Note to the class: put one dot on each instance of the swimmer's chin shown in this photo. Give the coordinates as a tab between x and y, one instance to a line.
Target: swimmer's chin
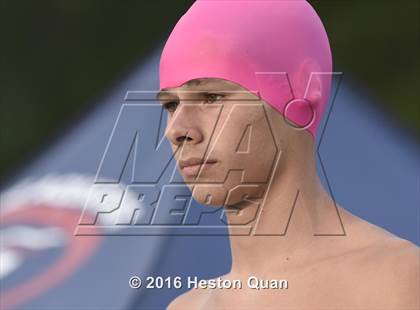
230	203
223	195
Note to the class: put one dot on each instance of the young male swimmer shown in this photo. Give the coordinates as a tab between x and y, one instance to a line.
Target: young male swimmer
243	135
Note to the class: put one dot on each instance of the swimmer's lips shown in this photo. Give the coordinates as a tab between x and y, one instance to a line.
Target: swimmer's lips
191	166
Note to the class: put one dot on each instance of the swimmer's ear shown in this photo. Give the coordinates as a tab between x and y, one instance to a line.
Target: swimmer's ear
310	82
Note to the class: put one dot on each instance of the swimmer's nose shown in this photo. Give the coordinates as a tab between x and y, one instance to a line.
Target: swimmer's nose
182	130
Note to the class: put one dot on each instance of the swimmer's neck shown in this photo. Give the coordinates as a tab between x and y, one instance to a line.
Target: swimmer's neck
288	220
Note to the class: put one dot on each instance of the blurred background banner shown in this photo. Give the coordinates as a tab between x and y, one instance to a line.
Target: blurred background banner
66	69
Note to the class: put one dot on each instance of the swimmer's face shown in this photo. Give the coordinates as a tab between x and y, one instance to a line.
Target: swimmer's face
222	140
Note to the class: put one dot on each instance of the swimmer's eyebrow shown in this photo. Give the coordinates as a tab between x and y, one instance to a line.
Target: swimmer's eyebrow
161	93
195	82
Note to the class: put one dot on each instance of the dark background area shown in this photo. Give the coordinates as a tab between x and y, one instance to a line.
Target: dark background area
58	56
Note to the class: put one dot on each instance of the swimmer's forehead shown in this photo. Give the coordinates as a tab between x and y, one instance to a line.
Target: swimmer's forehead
202	84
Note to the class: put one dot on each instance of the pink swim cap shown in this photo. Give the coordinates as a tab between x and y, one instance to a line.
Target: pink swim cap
270	47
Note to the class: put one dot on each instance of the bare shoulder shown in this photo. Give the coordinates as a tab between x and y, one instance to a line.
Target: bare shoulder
389	268
192	299
384	269
399	258
395	274
370	239
377	247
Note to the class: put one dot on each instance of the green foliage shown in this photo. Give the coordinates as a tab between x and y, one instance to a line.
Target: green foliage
376	42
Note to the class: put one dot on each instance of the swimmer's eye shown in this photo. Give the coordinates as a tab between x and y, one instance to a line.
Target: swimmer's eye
211	97
170	106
